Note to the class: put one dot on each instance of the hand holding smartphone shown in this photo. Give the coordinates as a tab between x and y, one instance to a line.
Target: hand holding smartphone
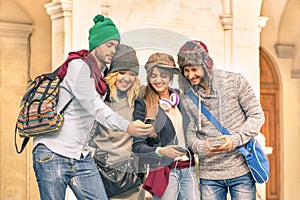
181	149
149	121
216	142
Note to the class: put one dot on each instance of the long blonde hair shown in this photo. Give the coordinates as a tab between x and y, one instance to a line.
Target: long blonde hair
132	92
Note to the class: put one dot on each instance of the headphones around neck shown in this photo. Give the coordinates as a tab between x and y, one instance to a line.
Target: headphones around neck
166	104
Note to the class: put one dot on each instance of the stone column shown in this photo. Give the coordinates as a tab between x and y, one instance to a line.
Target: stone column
61	16
261	188
14	74
226	21
237	23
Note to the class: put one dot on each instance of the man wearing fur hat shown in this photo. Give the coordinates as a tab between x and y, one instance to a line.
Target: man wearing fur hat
64	159
230	99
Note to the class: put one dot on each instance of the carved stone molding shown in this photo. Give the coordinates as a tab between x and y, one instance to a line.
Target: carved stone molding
226	21
105	8
15	29
60	12
59	9
285	50
262	22
295	73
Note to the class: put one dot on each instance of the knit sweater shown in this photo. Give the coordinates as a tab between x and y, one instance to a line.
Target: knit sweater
234	104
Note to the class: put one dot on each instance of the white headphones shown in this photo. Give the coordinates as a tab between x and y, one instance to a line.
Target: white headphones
166	104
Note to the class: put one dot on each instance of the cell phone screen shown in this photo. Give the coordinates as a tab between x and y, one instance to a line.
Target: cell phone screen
217	142
181	149
149	121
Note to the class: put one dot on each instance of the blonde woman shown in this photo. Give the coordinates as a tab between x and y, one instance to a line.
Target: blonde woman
114	147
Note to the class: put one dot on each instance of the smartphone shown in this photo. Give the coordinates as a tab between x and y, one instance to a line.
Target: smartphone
149	120
181	149
216	142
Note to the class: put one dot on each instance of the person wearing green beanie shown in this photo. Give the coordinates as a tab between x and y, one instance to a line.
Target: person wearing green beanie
64	159
103	31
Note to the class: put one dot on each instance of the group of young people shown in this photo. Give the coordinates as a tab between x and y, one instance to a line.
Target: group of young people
114	99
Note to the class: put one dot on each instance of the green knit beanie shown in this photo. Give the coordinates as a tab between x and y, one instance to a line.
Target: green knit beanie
103	31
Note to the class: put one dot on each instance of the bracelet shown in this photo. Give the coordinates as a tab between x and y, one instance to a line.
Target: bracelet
157	153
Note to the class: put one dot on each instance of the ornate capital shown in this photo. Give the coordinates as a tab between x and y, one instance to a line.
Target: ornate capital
262	22
59	9
105	8
226	21
15	29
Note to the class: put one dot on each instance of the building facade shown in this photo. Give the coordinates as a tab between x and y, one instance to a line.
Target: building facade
256	38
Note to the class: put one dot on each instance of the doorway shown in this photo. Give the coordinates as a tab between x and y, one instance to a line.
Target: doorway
269	97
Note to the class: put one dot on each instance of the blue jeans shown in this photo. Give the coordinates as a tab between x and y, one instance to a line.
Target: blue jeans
242	187
183	185
55	172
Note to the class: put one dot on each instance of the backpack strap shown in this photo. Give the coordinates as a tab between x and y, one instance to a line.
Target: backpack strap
24	143
69	102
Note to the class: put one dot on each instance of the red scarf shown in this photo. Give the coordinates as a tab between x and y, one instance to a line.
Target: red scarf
91	62
158	178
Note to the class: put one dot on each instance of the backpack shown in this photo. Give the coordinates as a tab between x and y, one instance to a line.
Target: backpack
38	113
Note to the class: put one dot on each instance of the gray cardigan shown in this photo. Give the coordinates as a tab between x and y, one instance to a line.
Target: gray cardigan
233	102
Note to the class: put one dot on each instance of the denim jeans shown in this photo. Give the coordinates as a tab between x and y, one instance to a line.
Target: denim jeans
55	172
183	185
240	188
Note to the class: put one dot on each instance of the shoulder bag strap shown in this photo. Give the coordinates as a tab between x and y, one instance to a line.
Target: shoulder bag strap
213	120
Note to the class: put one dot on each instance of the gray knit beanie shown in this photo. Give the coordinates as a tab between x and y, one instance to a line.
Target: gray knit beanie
125	59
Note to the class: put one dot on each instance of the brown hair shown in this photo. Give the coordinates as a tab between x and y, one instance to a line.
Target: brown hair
151	97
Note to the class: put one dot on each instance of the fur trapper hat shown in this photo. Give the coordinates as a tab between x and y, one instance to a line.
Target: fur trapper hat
195	53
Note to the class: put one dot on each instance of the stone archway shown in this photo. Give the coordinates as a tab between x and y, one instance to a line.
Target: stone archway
269	97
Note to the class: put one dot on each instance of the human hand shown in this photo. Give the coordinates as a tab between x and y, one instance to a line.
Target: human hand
212	150
148	195
138	128
171	151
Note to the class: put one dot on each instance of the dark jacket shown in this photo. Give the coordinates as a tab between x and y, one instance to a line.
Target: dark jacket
145	146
